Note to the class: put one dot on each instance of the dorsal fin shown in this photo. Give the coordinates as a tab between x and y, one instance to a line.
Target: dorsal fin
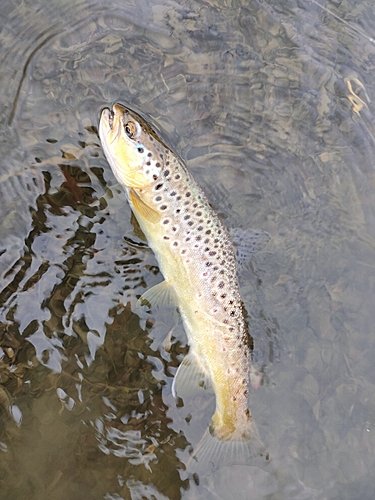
247	242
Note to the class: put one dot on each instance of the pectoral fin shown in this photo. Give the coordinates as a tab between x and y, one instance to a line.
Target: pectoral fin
143	209
190	376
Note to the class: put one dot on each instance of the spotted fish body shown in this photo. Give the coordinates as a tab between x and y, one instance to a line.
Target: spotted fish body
197	259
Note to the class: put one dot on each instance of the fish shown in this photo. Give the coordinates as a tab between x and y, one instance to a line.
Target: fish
197	257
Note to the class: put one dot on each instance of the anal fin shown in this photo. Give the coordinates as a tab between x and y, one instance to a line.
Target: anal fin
190	376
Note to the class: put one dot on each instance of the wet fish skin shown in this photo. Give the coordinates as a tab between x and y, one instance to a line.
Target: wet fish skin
197	259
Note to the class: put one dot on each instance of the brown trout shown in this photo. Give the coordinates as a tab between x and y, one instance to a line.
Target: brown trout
197	258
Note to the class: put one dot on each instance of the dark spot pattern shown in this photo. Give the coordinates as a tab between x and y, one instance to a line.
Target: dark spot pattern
192	231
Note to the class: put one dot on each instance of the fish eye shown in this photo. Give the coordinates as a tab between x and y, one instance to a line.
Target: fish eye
130	129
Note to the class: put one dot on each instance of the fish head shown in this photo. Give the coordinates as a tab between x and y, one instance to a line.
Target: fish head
131	147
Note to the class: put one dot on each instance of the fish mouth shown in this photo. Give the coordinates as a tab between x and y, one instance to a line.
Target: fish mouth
109	116
110	119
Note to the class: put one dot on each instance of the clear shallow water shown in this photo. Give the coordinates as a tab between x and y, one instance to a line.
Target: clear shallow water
271	106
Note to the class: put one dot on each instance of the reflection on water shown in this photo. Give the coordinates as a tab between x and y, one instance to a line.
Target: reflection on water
271	105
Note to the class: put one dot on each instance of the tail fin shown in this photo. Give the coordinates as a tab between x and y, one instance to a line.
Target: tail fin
212	453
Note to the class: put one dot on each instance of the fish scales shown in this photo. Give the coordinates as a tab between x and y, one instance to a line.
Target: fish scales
197	259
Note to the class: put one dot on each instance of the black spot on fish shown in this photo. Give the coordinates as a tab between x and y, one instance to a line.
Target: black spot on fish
177	177
208	231
221	284
166	237
188	194
166	173
140	150
149	155
190	223
163	207
178	198
166	221
198	238
157	165
175	243
187	217
158	198
173	193
199	228
159	186
148	163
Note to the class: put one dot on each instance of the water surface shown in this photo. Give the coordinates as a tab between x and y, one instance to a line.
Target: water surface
270	104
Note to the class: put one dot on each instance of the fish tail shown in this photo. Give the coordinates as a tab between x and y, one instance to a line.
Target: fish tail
212	453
